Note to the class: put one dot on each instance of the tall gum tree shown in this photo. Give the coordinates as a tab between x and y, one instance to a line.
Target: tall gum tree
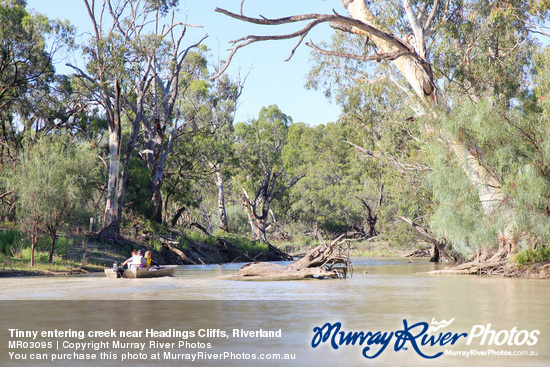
262	176
135	56
28	45
219	136
410	54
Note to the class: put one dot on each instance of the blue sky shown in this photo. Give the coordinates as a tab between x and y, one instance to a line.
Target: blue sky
270	79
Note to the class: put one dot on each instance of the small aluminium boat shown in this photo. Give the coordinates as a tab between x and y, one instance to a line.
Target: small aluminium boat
155	272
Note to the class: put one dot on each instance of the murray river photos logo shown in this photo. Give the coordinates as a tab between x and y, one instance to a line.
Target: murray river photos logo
422	337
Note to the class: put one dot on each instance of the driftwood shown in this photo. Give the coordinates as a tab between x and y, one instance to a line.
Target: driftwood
485	263
421	252
325	261
470	268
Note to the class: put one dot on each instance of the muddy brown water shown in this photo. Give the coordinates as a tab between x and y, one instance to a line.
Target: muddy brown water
382	295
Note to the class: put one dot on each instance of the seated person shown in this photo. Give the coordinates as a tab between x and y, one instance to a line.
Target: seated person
136	261
149	261
126	264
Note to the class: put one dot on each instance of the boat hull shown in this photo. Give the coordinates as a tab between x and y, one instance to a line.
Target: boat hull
163	271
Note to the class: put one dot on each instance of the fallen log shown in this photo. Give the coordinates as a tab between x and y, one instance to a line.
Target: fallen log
271	271
322	262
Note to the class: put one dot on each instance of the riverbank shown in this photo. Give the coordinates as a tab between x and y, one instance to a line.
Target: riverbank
88	254
7	273
530	271
502	269
85	254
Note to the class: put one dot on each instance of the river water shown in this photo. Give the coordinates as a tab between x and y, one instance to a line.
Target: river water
383	295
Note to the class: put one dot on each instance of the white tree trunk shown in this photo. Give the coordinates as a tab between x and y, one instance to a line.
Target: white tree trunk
419	76
111	218
221	200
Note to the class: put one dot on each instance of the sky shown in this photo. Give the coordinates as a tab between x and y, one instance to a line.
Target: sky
269	79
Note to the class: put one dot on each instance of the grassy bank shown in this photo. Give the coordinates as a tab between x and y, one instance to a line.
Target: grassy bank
73	255
76	254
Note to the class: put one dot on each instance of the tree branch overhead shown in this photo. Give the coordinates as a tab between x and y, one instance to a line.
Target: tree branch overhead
400	48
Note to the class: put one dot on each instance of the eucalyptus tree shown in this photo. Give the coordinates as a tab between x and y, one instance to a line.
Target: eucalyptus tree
168	117
135	59
340	192
435	52
218	137
28	44
26	64
262	176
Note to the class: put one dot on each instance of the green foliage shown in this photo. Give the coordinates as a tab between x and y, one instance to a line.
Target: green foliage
9	241
485	51
156	244
137	190
373	250
486	64
53	183
327	195
54	180
152	226
243	242
63	245
262	177
258	145
39	256
530	256
512	145
196	236
458	215
236	218
20	247
26	61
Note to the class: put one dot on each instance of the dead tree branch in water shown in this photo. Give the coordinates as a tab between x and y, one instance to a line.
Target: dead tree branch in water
328	260
424	233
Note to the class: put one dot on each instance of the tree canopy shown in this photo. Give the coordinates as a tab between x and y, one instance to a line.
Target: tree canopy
444	125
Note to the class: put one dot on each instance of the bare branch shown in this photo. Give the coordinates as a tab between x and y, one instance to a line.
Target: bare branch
431	17
289	185
242	4
5	194
343	23
380	197
363	150
387	156
81	73
376	57
429	237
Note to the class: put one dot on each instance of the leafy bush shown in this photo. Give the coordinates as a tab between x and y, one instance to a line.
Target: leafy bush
155	244
63	245
9	240
197	236
237	220
531	256
243	242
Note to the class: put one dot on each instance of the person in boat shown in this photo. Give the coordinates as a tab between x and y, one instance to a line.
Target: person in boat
126	264
149	260
136	261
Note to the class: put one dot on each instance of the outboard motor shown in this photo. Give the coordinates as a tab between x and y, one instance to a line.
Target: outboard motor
119	270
